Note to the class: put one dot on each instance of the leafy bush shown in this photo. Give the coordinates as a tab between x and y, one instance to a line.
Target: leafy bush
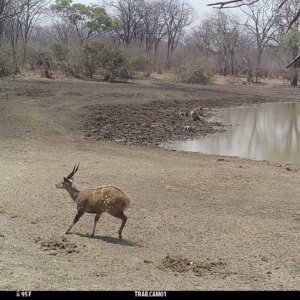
91	54
193	74
108	61
61	54
141	63
114	65
74	64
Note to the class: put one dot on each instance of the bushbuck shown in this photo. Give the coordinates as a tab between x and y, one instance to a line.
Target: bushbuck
96	201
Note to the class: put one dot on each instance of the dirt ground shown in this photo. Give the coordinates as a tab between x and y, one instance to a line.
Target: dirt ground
196	222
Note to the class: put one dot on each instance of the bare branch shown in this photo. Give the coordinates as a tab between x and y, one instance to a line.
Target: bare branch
282	3
294	20
294	61
224	4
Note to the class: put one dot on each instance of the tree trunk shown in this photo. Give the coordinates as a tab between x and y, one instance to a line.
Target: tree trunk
13	43
168	56
294	78
259	55
24	54
225	62
232	63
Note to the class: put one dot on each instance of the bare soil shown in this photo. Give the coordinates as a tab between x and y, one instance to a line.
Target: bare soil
197	222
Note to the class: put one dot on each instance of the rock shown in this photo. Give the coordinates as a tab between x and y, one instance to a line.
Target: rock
264	258
148	261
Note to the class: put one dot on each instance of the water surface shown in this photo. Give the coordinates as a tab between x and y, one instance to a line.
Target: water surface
267	132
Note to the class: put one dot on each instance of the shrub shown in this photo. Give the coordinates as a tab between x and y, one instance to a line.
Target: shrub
6	64
61	54
91	54
33	57
141	63
41	57
115	65
108	61
74	64
46	61
193	74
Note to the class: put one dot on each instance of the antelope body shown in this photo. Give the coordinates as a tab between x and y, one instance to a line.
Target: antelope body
96	201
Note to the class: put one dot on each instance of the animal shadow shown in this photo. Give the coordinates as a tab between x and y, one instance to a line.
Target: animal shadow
111	240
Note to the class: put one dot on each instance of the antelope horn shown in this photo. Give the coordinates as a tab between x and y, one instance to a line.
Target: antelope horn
75	169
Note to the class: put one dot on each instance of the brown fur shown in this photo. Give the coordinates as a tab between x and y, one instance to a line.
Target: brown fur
102	199
96	201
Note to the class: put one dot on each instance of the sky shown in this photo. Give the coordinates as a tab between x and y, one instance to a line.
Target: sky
200	6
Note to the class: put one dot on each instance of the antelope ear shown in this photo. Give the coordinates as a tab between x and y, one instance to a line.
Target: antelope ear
66	180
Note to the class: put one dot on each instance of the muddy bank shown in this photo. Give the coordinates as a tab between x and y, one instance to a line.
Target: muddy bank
149	124
154	122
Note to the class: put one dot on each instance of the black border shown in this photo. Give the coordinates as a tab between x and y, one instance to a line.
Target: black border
133	294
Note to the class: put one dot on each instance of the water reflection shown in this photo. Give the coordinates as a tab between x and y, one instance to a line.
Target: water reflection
268	132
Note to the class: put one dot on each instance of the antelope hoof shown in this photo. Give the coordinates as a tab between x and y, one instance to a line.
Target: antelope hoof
67	232
120	237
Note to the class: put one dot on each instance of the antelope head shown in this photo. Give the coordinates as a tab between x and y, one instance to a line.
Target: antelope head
67	182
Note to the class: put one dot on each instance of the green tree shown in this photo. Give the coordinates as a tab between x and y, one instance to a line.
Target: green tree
87	19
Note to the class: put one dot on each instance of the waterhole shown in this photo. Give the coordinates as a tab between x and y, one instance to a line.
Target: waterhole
267	132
